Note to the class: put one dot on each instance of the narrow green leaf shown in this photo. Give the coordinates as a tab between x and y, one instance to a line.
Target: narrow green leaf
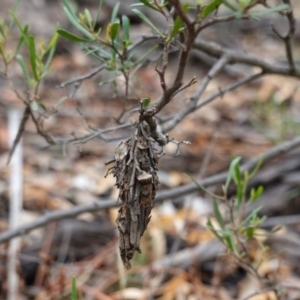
239	195
250	232
2	24
52	42
186	8
71	36
276	229
61	101
115	13
148	4
231	172
146	102
50	50
69	8
237	177
98	12
230	243
256	193
176	28
114	30
218	214
267	11
257	167
228	5
203	188
23	31
48	60
21	61
42	106
73	19
88	16
213	230
147	21
74	289
252	215
208	9
126	28
22	39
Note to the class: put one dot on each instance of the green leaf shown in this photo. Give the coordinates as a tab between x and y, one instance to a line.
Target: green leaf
278	8
250	232
98	12
257	167
208	9
218	214
69	8
203	188
228	5
256	193
176	28
146	102
32	57
50	50
61	101
148	4
186	8
239	195
237	177
213	230
22	38
230	242
73	19
114	30
252	215
88	16
147	21
71	36
232	170
24	31
21	61
74	289
126	28
42	106
115	13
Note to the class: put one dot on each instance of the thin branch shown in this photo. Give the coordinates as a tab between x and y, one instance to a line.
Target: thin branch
287	39
213	72
20	132
161	196
193	106
215	50
215	20
79	79
230	88
141	40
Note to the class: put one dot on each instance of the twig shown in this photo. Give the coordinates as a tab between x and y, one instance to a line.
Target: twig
142	39
192	106
161	196
20	132
215	50
79	79
288	37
